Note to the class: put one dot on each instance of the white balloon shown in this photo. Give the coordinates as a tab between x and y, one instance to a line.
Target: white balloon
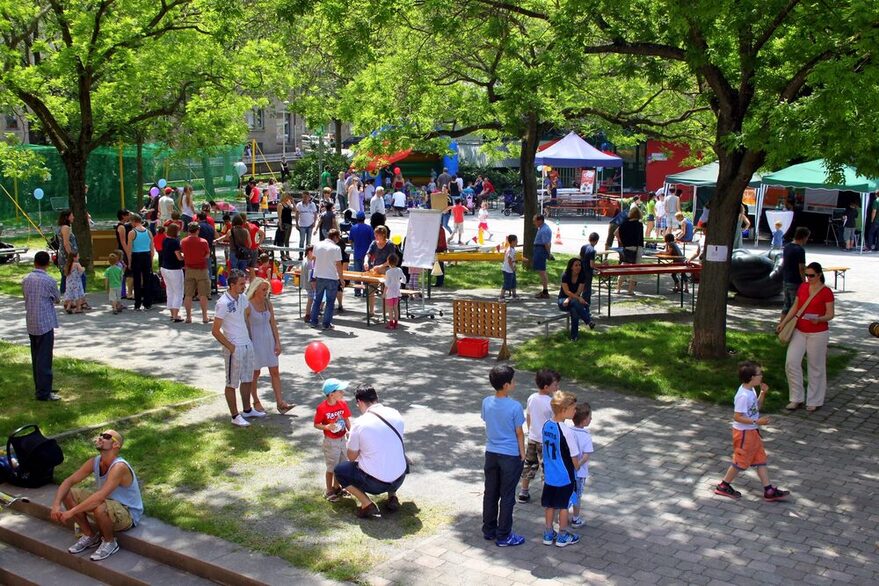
240	168
540	168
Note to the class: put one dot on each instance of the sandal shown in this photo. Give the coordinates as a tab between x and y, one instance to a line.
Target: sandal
283	408
813	408
207	321
177	320
188	320
793	406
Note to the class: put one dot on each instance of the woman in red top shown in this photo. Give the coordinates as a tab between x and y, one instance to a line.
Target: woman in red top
810	339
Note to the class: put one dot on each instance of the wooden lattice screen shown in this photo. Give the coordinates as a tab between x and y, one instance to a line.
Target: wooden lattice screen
483	319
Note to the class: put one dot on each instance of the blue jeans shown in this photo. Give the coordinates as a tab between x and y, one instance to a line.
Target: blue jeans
41	360
304	238
328	288
444	219
790	296
578	312
357	266
350	474
502	474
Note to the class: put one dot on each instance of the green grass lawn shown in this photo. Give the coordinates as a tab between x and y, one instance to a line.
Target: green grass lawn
11	275
92	392
235	484
487	275
650	359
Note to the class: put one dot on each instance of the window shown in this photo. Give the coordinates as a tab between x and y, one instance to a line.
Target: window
11	122
256	119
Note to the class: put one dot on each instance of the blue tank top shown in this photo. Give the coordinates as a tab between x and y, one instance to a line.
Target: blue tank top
557	465
141	241
128	496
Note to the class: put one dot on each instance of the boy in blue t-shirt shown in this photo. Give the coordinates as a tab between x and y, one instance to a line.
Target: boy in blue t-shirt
504	454
561	458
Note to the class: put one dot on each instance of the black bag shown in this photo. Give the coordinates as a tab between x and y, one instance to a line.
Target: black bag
36	457
157	289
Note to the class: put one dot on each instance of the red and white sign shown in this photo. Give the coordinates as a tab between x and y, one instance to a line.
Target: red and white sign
587	181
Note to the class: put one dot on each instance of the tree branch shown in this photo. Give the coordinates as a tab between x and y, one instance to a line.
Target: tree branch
505	6
56	133
773	26
797	82
167	110
463	131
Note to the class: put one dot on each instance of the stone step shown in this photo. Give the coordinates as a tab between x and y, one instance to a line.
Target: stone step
195	554
20	568
50	541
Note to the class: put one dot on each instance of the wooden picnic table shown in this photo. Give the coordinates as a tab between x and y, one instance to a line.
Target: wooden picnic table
606	274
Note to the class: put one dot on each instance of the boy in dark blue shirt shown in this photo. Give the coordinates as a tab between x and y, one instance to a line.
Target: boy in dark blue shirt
561	458
504	455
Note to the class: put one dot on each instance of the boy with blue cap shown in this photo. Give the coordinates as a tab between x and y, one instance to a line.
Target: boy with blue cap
333	418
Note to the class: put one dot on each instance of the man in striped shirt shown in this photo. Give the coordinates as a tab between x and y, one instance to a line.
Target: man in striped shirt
40	296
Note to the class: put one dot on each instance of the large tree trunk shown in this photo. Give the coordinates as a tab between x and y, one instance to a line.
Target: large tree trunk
75	164
709	323
337	128
530	140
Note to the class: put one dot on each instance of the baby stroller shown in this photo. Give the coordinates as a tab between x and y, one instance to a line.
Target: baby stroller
513	204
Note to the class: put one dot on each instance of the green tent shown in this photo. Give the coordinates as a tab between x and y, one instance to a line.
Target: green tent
704	176
814	175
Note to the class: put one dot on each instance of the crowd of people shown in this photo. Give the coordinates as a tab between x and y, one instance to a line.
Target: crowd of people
368	456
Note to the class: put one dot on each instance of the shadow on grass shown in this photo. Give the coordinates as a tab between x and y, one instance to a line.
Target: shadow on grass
91	392
651	359
246	486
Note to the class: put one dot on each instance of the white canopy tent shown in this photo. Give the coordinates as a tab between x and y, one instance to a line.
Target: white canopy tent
574	152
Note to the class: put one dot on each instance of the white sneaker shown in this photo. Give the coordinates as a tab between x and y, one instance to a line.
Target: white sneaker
577	522
240	421
85	542
253	413
107	549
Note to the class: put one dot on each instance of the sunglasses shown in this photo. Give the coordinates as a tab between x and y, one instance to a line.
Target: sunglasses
811	275
106	436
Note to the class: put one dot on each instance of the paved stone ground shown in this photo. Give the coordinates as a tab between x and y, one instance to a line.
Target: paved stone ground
651	516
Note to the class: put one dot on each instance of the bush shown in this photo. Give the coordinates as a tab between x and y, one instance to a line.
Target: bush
305	174
503	178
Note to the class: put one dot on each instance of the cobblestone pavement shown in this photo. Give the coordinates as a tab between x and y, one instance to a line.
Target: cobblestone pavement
650	513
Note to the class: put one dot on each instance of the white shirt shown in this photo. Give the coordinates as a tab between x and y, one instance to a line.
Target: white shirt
231	311
381	451
354	198
393	277
584	446
539	410
460	182
746	404
482	215
659	210
671	205
376	205
399	199
166	207
509	260
368	191
326	254
307	213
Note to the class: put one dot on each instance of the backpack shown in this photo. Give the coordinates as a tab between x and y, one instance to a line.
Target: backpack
157	288
31	457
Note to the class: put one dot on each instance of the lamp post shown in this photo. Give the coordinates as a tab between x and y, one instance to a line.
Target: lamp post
286	133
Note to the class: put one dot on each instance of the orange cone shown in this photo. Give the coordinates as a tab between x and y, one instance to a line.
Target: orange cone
558	234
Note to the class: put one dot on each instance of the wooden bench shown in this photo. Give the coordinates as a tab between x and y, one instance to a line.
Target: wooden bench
546	320
837	271
554	210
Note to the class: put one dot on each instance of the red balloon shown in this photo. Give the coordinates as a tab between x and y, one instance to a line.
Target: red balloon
397	171
277	286
317	356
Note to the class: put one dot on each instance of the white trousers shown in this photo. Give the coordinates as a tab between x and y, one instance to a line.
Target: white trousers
814	347
173	288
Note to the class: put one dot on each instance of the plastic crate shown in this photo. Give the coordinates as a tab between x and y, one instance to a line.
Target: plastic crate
473	347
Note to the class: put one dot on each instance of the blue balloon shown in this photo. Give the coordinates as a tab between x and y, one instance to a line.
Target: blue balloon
162	183
38	193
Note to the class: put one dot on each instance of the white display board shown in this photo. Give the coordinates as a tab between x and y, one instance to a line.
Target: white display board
421	238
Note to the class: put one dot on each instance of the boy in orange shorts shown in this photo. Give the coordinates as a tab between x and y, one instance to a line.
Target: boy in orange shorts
747	444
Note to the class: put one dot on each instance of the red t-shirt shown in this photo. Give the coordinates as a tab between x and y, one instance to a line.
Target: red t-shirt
818	306
158	239
487	186
327	414
210	220
458	213
253	229
254	194
195	252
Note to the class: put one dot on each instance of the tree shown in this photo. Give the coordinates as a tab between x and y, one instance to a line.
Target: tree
89	72
783	79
